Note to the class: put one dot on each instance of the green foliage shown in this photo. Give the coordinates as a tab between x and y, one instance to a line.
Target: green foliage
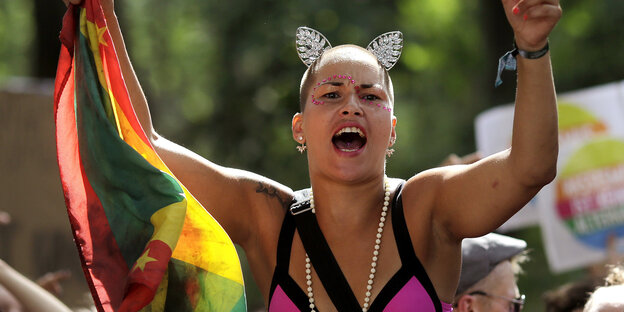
587	44
16	36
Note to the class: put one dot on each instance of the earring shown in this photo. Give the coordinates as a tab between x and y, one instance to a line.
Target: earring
390	151
301	148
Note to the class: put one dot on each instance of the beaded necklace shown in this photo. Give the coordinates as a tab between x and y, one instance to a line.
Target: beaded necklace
373	270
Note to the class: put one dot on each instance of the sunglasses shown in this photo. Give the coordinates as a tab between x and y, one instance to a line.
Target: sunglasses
516	304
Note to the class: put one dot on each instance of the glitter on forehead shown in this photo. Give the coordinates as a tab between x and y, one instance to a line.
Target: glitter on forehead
356	87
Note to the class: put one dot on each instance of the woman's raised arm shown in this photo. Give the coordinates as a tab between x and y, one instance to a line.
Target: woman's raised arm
475	199
232	196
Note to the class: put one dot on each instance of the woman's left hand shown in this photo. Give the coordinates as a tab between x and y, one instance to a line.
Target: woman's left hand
532	21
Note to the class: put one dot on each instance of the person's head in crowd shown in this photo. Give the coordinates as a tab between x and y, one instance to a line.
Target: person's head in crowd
610	297
570	297
490	265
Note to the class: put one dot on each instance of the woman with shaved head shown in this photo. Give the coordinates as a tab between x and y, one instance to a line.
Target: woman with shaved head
357	239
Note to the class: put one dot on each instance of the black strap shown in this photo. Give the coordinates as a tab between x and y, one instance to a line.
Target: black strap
284	243
401	234
324	262
280	275
406	249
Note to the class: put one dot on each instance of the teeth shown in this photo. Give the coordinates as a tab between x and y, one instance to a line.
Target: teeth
350	130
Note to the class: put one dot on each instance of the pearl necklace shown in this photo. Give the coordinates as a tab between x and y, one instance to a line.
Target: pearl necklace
373	270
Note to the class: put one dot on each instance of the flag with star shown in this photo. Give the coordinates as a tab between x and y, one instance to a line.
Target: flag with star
145	243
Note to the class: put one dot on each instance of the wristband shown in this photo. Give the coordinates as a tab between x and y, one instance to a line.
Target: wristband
508	61
531	55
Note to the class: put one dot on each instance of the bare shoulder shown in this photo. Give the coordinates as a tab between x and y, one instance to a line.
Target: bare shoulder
423	187
267	191
425	192
268	202
436	249
417	197
421	197
426	189
267	199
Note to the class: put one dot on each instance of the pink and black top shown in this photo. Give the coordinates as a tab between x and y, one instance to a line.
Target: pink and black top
410	289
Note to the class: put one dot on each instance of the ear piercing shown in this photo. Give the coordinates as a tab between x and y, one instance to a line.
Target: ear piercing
301	148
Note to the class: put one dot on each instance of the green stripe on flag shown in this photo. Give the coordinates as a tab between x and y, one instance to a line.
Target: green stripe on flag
129	188
209	291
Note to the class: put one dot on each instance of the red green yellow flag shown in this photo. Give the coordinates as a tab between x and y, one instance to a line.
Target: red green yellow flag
145	243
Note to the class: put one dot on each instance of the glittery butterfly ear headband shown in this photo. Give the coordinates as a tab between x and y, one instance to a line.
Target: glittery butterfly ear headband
386	47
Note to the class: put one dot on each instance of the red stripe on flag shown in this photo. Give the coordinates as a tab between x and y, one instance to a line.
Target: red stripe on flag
103	268
89	225
150	272
64	67
146	275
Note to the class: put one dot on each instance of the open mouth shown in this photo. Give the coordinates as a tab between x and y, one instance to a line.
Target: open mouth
349	139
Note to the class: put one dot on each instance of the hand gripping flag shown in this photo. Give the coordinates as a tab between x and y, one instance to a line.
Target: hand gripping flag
145	243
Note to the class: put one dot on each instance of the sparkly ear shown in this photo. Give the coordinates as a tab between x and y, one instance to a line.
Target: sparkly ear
310	44
387	48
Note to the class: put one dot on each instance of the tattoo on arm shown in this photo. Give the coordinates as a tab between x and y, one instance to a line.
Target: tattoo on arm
271	191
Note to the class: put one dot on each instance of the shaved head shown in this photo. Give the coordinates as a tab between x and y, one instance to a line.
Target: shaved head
343	54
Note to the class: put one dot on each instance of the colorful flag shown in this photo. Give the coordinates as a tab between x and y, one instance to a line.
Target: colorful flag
145	243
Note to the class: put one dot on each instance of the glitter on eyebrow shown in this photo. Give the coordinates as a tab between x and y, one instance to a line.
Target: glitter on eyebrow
356	87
